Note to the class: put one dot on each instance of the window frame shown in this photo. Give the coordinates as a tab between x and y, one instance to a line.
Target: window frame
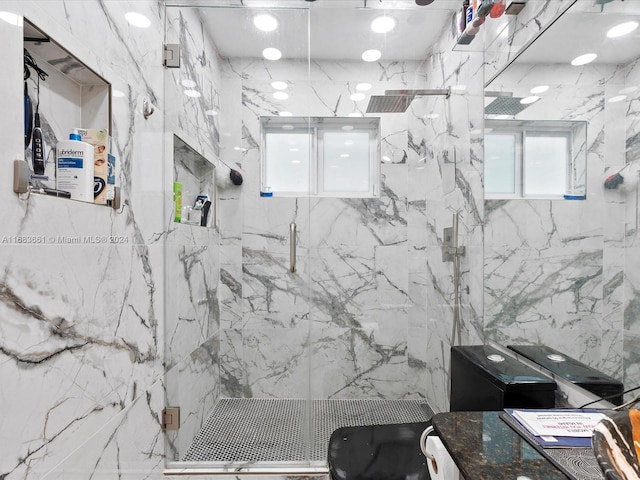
521	129
317	127
536	132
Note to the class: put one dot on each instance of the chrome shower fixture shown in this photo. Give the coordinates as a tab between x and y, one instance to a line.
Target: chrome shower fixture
504	103
397	101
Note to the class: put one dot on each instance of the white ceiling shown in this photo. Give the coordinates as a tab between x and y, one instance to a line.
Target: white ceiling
329	29
339	29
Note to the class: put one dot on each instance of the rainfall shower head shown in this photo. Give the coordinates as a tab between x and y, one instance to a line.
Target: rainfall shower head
397	101
505	106
389	103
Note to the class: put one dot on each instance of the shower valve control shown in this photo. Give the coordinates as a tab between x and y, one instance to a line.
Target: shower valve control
449	247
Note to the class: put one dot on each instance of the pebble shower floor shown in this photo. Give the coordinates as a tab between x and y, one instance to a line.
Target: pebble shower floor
273	430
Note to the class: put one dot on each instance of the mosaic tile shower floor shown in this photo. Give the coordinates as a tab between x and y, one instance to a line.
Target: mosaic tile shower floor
273	430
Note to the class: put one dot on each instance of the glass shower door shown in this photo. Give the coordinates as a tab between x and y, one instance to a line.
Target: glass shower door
369	241
237	335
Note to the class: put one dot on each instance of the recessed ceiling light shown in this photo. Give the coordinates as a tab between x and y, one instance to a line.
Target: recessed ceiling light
11	18
617	98
355	114
583	59
192	93
383	24
278	85
624	91
265	22
363	87
539	89
272	53
285	114
344	155
356	97
211	113
622	29
528	100
137	19
280	95
371	55
188	83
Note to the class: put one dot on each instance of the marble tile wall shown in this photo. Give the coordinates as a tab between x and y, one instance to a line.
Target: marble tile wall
336	324
83	326
192	253
81	333
369	312
451	183
627	261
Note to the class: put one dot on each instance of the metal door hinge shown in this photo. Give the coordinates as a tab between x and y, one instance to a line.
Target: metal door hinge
171	418
171	55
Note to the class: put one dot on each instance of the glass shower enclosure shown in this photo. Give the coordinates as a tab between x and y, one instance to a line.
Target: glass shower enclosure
294	312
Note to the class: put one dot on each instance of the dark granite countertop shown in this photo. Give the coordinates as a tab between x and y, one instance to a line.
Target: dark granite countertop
486	448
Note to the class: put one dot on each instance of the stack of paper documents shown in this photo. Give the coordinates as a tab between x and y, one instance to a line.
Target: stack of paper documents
558	428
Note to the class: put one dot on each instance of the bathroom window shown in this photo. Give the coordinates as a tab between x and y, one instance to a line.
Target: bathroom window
534	159
325	157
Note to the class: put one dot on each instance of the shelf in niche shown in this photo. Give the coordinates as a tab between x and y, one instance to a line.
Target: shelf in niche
196	174
70	96
86	92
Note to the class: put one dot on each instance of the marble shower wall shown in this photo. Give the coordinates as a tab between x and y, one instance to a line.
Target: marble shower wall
81	334
192	260
82	355
450	183
629	195
369	312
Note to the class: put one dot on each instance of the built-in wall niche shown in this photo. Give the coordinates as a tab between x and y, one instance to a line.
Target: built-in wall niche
194	185
534	158
67	95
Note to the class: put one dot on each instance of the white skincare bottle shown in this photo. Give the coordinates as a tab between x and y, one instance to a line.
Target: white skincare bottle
74	167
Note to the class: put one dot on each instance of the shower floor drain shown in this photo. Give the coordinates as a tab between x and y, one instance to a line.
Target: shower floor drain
273	430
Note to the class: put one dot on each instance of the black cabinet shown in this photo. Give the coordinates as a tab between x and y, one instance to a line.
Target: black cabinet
573	370
483	379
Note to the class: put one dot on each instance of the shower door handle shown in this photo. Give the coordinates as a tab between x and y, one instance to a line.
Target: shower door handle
292	249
